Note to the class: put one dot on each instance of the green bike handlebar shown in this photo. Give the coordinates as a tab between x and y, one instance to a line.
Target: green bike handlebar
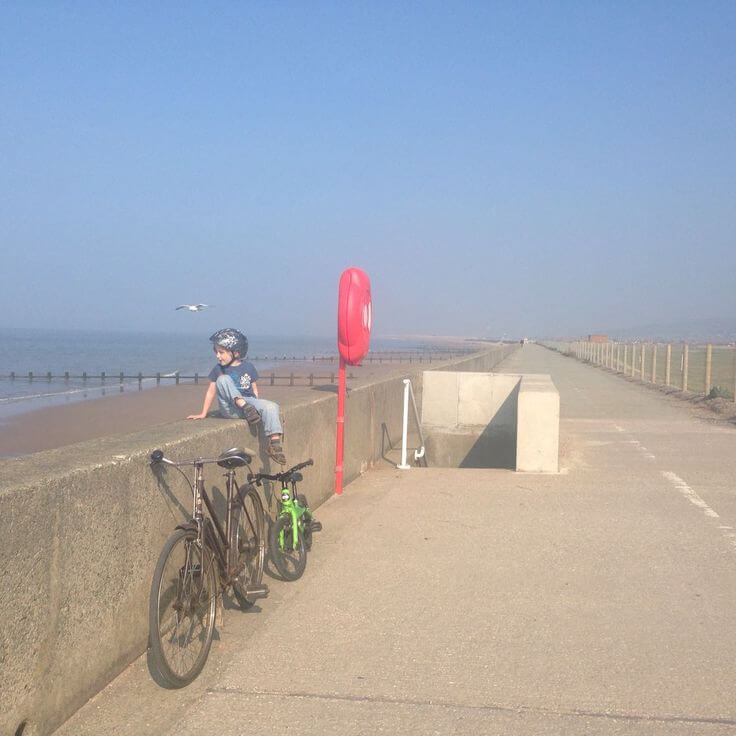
283	476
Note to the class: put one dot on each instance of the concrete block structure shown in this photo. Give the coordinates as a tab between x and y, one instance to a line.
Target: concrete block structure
491	420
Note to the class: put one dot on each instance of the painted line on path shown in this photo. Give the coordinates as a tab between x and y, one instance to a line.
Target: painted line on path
728	532
690	494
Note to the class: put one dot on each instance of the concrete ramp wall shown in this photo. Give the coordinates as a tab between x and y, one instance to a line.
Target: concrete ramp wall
83	527
491	420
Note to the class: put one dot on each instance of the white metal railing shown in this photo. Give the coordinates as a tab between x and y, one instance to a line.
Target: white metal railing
418	454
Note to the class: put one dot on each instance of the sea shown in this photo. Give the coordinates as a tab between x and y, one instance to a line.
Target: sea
40	352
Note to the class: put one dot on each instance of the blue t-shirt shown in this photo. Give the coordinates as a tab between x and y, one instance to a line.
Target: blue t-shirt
244	375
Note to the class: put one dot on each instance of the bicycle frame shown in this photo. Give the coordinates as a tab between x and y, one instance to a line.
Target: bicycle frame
290	505
209	528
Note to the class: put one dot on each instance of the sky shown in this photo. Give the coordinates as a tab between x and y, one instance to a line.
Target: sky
496	168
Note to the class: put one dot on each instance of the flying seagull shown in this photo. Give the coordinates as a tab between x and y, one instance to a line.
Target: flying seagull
193	307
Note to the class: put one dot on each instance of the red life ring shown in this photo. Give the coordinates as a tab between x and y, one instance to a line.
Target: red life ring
354	315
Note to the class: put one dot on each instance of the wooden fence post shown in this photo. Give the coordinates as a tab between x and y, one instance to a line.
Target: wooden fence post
633	358
667	367
626	355
643	361
684	366
654	363
708	368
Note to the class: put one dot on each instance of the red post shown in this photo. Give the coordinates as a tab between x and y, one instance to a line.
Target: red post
340	442
354	317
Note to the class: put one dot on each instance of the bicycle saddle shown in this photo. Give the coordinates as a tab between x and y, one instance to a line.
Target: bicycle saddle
234	458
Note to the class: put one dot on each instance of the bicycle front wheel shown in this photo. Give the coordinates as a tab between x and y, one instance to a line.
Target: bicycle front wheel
306	527
181	610
290	559
249	544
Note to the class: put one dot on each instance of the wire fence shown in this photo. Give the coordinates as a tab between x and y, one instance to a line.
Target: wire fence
705	369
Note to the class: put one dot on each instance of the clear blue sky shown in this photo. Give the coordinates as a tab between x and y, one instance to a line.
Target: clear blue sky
520	167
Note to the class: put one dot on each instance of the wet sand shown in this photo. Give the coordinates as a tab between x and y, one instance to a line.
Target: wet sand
132	411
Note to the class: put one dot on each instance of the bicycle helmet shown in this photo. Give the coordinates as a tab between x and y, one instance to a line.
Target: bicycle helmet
231	339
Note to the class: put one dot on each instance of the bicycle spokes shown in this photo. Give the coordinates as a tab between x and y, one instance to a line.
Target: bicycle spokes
184	606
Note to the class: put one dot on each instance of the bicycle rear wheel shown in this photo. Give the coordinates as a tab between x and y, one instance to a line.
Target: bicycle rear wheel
290	560
181	610
250	545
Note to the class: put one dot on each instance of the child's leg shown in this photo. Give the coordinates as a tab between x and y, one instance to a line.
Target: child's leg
227	392
269	412
232	402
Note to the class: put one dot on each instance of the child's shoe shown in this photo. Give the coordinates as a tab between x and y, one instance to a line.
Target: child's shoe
250	413
276	452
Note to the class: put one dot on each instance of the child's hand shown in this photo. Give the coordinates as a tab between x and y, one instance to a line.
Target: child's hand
196	416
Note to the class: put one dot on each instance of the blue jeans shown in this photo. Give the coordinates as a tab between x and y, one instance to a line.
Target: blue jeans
227	392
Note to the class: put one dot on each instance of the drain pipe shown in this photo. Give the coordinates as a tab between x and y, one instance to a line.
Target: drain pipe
418	454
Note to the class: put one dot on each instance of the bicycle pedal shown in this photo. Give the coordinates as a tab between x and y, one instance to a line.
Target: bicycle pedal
316	526
254	592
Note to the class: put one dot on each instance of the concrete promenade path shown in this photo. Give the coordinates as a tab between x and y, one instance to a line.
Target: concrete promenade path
600	600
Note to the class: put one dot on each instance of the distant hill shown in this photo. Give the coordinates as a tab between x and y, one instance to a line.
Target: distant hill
698	330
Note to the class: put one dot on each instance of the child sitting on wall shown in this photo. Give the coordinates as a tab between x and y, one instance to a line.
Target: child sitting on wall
233	382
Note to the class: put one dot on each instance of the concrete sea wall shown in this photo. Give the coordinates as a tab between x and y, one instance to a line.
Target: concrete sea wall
83	527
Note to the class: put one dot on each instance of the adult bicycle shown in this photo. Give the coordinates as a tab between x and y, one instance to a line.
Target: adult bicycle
201	560
290	535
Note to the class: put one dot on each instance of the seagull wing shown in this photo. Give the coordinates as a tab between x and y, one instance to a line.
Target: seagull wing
183	306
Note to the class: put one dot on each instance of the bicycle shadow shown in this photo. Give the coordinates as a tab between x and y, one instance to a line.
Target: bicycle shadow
269	567
172	501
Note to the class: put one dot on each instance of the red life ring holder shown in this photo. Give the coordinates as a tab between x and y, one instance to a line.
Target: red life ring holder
354	315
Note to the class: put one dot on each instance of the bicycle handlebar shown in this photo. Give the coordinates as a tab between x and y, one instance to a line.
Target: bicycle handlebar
258	477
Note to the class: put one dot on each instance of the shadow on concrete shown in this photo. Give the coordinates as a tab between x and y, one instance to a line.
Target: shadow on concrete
327	388
492	446
160	472
495	447
385	440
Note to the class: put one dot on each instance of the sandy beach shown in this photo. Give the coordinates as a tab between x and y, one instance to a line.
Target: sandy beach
58	426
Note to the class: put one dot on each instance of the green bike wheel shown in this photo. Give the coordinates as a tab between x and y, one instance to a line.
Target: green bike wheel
181	608
290	561
249	541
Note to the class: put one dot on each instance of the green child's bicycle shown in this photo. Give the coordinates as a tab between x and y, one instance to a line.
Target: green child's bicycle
290	535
